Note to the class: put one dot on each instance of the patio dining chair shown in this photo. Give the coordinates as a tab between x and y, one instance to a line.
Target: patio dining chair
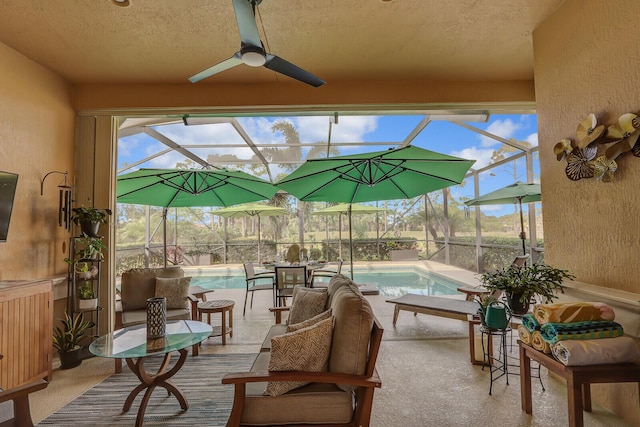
288	277
326	272
263	281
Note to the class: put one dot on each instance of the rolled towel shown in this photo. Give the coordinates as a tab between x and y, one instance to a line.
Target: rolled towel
572	312
530	322
524	334
539	344
554	332
596	352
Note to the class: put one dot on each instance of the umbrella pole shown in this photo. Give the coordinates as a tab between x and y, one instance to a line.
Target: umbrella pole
339	236
523	236
350	243
259	260
164	233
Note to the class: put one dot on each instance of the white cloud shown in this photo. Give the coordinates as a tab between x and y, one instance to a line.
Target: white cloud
482	157
502	128
533	139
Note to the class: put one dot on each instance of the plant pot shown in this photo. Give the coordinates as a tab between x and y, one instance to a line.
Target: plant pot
516	306
90	228
70	359
88	304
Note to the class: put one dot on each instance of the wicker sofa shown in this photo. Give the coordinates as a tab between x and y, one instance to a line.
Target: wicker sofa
342	395
138	284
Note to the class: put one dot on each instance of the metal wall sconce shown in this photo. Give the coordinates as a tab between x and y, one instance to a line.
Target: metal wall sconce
64	199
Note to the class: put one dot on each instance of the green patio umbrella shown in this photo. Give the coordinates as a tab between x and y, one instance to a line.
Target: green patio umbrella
517	192
400	173
347	209
189	188
251	210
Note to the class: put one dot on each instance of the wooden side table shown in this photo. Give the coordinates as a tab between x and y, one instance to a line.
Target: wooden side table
218	306
579	380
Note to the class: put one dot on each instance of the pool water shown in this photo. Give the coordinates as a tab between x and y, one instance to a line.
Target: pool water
391	282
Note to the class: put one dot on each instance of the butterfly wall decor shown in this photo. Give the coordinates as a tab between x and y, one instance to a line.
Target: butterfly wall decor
593	152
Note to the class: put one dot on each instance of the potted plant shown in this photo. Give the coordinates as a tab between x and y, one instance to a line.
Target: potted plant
520	284
87	298
66	340
89	219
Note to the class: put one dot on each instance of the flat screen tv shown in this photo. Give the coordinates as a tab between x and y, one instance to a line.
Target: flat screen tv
8	183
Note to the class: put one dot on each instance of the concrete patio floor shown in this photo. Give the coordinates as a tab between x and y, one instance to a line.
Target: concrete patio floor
424	365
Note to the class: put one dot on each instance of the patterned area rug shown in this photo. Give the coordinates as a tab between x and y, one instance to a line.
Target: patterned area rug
199	379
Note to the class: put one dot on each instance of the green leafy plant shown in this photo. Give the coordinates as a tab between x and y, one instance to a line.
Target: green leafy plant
87	248
67	338
84	214
528	281
86	291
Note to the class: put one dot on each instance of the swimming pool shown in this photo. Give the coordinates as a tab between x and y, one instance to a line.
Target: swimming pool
390	281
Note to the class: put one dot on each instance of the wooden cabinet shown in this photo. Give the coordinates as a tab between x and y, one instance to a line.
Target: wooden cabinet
26	322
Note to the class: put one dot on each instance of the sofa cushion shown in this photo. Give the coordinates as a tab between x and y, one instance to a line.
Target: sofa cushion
304	350
310	322
275	330
304	405
306	303
139	284
175	290
352	331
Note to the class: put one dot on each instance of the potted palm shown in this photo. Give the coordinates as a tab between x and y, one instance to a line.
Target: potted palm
89	219
67	340
520	284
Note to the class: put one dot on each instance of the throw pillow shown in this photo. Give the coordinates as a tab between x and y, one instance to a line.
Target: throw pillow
306	303
175	290
305	350
310	322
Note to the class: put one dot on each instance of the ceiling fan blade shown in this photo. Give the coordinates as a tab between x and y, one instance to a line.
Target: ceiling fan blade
236	59
282	66
245	16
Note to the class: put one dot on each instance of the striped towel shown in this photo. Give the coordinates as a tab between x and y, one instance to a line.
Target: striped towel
554	332
530	322
524	334
572	312
539	344
596	352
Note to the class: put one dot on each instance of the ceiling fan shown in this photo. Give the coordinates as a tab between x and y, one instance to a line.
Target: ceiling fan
252	51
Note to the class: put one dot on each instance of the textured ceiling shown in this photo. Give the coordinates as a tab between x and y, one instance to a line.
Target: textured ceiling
166	41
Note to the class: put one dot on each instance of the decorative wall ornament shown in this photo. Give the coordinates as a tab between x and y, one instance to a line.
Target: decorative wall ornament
593	153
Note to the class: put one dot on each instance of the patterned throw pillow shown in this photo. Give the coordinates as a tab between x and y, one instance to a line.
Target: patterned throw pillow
310	322
175	290
305	350
306	303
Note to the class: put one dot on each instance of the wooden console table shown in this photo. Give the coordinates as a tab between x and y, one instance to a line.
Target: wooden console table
579	380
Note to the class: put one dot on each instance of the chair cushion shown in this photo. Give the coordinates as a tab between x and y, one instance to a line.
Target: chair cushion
139	284
175	290
310	322
306	303
304	350
304	405
353	322
136	317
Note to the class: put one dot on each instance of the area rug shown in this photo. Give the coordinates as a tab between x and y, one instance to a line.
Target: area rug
199	379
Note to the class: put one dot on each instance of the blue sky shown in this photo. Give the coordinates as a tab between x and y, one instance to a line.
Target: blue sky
440	136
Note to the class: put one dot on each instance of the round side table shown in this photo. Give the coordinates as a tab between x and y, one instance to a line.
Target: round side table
218	306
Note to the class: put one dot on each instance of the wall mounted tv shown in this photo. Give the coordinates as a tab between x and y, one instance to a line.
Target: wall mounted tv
8	183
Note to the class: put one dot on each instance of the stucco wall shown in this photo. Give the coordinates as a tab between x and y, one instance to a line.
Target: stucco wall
37	127
586	61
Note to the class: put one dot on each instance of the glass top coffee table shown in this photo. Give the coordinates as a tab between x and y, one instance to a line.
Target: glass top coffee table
132	345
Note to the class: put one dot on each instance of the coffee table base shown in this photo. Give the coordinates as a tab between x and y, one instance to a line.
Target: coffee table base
149	382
